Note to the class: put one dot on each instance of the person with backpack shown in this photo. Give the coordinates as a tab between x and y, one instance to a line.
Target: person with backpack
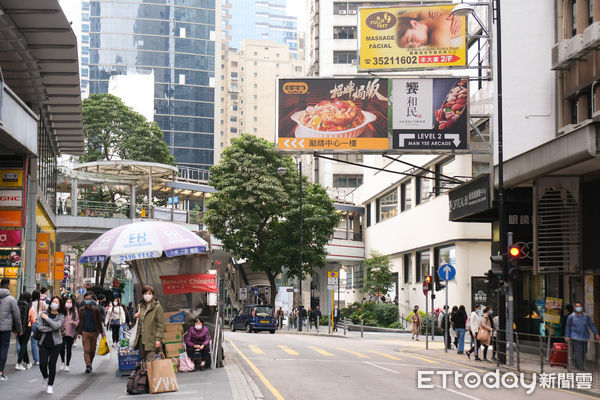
577	330
38	306
50	338
27	320
115	318
69	332
10	321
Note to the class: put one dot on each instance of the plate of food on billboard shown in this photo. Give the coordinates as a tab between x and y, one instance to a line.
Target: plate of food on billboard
411	38
333	114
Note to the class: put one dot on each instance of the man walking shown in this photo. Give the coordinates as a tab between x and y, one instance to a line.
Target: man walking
10	321
317	317
336	318
280	316
578	330
90	326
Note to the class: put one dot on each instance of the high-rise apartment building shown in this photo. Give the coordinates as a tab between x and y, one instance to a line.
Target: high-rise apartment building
260	19
175	41
249	77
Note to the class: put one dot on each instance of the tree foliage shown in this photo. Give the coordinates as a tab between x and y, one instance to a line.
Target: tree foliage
255	212
114	131
379	273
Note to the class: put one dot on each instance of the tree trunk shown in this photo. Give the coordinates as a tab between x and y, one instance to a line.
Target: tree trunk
103	272
271	277
97	277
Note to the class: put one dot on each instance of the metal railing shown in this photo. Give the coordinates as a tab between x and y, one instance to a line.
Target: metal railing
191	174
89	208
532	353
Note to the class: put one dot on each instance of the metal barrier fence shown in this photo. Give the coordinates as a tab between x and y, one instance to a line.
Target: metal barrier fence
552	355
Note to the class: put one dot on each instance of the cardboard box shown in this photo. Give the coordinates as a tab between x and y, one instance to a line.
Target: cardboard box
173	333
176	317
173	349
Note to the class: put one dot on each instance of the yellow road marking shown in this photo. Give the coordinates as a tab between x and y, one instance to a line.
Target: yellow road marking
264	380
288	350
321	351
256	349
405	353
359	355
385	355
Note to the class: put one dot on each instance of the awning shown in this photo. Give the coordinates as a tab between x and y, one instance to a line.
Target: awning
38	58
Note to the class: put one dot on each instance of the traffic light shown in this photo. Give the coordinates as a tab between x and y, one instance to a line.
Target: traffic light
498	263
429	283
492	280
514	269
438	283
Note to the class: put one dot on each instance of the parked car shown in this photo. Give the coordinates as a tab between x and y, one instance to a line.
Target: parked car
254	318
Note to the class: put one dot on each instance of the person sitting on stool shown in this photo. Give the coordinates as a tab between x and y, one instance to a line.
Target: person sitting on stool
197	343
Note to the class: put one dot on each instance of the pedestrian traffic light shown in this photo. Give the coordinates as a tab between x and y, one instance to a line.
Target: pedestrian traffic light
492	280
429	283
438	282
498	264
514	269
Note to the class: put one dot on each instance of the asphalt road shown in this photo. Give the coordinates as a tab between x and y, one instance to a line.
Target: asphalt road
292	366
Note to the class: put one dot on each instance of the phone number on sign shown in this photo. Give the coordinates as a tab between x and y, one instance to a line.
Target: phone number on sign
128	257
392	60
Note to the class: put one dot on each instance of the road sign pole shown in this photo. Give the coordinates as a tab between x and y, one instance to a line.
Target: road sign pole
331	316
446	330
426	322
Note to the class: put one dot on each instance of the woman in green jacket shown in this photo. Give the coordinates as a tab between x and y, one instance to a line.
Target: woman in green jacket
150	326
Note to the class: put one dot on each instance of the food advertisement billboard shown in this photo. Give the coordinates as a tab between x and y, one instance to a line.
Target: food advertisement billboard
411	38
332	114
430	114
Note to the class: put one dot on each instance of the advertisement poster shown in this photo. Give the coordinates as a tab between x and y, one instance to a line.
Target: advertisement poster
10	258
553	310
11	177
332	114
10	218
59	265
10	238
410	38
430	114
43	253
187	283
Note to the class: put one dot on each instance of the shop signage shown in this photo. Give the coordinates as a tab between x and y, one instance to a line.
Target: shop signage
10	218
187	283
553	310
11	198
332	114
43	253
11	177
411	38
469	198
10	258
59	265
67	266
10	238
10	272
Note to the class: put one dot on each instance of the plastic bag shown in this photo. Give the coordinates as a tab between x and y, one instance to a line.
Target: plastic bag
103	348
185	364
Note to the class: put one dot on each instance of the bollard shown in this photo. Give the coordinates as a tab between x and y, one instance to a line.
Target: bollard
345	325
518	352
361	328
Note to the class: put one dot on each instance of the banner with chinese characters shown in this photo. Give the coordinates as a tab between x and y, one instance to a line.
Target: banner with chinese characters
332	114
43	253
430	114
411	38
187	283
59	265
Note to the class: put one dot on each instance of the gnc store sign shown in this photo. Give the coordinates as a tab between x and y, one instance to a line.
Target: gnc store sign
11	198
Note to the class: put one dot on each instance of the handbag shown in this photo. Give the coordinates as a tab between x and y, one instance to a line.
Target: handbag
137	382
161	376
103	348
114	322
483	335
185	364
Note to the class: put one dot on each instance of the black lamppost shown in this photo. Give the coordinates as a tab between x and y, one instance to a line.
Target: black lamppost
281	171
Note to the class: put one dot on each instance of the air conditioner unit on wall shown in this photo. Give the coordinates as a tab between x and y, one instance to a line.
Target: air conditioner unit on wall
591	36
559	55
575	47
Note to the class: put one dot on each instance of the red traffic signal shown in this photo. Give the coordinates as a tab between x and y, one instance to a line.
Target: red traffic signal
514	251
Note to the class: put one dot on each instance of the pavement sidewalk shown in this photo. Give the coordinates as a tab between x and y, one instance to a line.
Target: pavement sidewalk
221	383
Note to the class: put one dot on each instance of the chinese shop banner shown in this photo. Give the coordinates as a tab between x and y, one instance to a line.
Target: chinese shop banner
188	283
411	38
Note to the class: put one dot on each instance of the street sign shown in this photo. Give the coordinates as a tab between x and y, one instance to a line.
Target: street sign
332	287
446	272
332	274
425	287
243	293
81	291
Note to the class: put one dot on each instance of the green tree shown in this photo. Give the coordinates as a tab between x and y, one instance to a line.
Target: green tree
255	212
113	130
379	273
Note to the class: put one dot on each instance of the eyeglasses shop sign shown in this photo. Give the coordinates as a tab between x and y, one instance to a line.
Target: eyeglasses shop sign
469	198
11	198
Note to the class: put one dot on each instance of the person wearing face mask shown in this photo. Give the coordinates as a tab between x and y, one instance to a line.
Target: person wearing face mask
69	333
151	326
49	324
90	326
577	330
486	328
474	324
115	317
197	343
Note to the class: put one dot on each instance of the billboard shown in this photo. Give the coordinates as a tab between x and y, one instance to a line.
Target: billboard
43	253
10	238
10	218
430	114
11	198
11	177
332	114
410	38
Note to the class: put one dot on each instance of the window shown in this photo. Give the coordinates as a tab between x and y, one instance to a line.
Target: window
340	8
233	130
356	158
344	32
347	181
406	267
443	172
424	188
234	75
388	205
423	264
234	64
368	215
590	11
358	276
406	192
344	57
574	18
298	69
444	255
233	119
234	108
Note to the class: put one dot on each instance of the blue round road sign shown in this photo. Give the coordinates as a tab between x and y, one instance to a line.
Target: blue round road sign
446	272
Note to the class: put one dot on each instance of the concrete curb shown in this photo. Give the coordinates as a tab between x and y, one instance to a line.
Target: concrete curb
242	385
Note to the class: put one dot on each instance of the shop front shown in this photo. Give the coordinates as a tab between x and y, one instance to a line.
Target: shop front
45	255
